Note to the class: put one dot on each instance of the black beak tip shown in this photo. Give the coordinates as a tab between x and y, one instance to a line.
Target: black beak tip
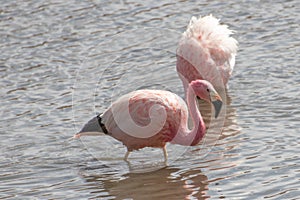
218	105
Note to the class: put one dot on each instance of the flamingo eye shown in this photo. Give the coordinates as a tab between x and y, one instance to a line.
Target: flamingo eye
207	90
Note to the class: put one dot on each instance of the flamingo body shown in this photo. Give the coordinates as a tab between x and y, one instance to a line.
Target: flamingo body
140	103
206	51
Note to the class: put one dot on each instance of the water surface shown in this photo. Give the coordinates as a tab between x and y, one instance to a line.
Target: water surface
62	62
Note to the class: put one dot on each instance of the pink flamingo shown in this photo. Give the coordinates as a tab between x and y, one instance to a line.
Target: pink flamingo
206	51
151	118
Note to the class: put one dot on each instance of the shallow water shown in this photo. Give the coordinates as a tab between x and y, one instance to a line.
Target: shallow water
62	62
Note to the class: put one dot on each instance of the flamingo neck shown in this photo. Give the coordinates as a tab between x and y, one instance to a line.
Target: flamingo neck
186	136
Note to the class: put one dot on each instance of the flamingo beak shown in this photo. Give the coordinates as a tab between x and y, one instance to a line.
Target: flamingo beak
217	102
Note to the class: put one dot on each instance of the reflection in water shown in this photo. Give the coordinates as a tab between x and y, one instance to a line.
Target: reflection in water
169	183
231	126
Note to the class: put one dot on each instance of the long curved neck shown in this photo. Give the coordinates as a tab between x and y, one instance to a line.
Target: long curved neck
185	136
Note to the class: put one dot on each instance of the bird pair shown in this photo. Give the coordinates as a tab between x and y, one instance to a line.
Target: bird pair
152	118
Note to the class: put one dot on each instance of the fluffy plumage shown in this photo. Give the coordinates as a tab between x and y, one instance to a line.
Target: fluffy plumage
206	51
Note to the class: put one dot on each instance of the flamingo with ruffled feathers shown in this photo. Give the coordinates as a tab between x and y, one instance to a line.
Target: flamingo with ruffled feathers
206	51
152	118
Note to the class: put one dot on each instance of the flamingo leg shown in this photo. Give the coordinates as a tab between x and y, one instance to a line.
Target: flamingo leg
165	154
126	155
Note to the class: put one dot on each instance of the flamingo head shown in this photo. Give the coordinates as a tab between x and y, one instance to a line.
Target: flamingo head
204	90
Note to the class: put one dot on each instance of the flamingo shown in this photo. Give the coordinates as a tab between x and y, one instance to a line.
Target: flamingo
151	118
206	51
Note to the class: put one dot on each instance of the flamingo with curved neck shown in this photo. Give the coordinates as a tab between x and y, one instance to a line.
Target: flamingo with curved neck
151	118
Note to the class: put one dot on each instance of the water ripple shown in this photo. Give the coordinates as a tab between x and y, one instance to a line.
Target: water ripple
61	62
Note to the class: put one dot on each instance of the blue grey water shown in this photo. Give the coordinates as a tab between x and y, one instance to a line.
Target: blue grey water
61	62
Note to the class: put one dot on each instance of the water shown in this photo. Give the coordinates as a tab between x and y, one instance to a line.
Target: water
61	62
